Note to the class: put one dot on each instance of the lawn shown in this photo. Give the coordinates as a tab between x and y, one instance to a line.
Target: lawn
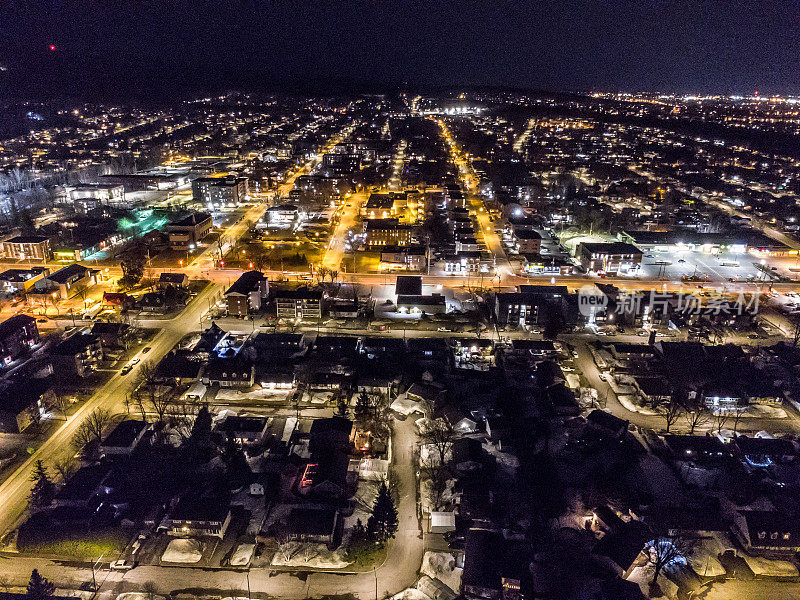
71	542
365	556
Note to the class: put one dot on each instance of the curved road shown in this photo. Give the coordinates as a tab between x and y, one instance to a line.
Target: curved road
399	570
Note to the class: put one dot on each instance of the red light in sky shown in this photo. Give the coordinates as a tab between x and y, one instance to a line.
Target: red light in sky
52	47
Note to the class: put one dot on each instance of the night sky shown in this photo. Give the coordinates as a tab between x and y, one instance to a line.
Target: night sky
166	48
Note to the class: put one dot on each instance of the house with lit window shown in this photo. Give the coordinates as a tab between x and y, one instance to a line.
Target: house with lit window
767	532
301	303
78	355
18	334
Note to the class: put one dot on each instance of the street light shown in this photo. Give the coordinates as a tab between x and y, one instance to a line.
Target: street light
94	566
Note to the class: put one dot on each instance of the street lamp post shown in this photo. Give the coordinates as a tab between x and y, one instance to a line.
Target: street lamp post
94	570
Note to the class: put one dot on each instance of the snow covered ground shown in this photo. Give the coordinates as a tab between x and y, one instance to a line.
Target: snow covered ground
184	551
243	555
314	556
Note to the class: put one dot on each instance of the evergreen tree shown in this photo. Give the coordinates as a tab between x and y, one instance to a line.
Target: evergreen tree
43	491
201	429
363	407
238	472
382	524
39	588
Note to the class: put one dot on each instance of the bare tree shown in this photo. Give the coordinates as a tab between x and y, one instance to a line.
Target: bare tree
150	590
149	393
439	435
697	416
720	418
181	417
96	422
438	476
90	431
737	416
663	551
671	411
60	403
64	467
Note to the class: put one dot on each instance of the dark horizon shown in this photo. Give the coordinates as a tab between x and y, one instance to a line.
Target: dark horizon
149	50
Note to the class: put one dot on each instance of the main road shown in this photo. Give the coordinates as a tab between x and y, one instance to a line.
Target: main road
14	491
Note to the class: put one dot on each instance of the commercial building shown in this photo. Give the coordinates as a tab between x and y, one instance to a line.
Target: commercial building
411	258
464	262
301	304
611	257
282	216
417	305
532	305
381	206
386	232
189	230
220	191
87	196
136	182
68	281
21	280
247	294
27	247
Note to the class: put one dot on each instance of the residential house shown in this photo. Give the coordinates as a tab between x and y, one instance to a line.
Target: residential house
767	532
229	372
247	294
483	565
302	304
173	280
18	334
84	485
22	402
78	355
313	525
245	430
112	335
124	438
67	282
206	513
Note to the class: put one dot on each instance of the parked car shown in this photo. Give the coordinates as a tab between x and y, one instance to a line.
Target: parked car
122	565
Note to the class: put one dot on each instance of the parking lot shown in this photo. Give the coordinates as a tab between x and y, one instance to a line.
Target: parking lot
675	265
